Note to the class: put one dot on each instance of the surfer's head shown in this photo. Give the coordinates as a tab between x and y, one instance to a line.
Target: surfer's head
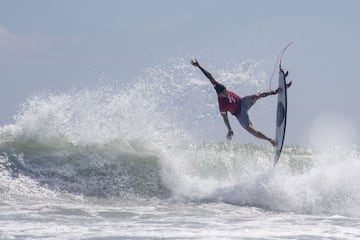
219	88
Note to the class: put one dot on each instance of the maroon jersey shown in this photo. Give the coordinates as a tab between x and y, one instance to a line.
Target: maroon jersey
231	103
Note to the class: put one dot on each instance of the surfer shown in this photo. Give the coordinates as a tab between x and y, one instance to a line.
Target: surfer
236	105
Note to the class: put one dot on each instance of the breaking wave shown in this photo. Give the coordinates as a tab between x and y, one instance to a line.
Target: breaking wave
142	141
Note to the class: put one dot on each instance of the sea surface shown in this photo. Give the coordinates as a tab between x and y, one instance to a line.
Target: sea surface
128	163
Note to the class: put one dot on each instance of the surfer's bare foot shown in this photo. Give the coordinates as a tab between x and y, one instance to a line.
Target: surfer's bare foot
288	84
273	142
278	90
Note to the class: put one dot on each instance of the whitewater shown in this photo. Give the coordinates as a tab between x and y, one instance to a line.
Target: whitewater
132	161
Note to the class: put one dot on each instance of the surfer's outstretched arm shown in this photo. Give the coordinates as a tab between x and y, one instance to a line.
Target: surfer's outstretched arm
195	63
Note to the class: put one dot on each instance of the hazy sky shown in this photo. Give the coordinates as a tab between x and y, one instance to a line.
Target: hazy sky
55	45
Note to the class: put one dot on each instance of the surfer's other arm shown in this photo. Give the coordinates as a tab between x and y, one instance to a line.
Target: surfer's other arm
195	63
227	123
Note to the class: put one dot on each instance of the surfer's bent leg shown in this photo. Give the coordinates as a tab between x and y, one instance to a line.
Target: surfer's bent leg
245	122
259	95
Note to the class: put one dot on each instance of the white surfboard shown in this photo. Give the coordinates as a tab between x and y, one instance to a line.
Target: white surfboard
281	115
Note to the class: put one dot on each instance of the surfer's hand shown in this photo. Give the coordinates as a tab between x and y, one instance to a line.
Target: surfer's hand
229	135
194	62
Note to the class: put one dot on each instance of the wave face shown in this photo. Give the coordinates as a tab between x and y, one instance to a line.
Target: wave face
140	141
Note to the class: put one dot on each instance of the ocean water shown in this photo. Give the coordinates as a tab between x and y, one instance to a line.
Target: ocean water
128	163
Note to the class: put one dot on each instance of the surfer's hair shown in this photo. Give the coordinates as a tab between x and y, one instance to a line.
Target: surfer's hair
219	88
